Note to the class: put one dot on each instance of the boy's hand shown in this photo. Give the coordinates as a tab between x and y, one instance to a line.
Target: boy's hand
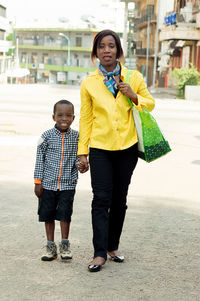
83	164
38	190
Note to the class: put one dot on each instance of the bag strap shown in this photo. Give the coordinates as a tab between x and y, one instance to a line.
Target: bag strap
128	75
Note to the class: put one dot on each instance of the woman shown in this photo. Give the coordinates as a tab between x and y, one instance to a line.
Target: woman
107	127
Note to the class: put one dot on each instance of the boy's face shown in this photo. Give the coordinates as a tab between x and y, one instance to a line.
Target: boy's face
63	117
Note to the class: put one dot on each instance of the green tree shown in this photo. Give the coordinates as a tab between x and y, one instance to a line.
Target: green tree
10	37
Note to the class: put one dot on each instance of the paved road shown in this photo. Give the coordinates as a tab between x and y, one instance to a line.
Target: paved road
161	233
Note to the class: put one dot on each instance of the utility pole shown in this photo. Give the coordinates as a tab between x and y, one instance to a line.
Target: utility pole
125	29
130	18
147	52
68	53
156	47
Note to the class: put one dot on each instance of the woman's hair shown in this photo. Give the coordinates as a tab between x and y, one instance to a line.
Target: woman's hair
97	39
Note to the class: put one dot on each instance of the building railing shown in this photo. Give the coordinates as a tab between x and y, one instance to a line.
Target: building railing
59	48
144	19
57	67
143	51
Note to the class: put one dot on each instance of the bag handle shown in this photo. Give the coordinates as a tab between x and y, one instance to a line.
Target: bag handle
128	75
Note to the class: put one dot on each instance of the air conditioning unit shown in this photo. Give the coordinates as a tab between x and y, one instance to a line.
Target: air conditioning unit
33	66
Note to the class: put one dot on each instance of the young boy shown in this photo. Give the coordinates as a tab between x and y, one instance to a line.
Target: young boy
55	178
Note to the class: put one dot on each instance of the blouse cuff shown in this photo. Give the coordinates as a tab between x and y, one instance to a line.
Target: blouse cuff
82	149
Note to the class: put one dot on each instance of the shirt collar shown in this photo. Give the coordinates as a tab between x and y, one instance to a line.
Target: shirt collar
123	72
60	133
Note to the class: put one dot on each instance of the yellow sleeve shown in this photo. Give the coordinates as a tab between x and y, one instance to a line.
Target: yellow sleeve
145	99
85	123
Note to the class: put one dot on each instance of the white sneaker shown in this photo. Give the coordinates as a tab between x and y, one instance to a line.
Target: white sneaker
51	253
65	252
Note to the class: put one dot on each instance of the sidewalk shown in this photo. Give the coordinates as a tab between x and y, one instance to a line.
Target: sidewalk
160	238
167	93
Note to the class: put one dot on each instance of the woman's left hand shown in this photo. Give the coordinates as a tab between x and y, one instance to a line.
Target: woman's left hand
125	89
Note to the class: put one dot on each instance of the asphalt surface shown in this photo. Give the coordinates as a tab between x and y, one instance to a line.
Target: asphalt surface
160	239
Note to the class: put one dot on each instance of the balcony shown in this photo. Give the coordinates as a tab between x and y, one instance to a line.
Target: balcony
180	31
5	45
142	22
57	68
58	48
143	51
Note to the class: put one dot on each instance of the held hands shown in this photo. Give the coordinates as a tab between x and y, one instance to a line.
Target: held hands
83	164
38	190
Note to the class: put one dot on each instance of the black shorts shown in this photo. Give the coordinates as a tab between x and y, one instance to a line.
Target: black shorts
56	205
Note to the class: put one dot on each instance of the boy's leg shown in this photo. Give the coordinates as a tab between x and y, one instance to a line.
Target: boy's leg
50	228
46	212
64	212
64	227
65	251
51	248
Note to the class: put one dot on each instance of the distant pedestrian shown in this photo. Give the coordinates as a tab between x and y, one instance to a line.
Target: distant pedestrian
55	178
107	127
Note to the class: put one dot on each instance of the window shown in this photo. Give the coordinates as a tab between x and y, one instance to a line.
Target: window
182	3
24	57
34	58
2	11
2	32
44	58
197	3
78	41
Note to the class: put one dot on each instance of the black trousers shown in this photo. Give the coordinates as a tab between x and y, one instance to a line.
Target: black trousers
111	173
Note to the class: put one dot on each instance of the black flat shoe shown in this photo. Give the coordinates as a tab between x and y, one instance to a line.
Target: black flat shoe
94	267
117	258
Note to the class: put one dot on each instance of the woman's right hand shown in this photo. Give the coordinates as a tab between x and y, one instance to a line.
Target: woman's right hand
83	164
38	190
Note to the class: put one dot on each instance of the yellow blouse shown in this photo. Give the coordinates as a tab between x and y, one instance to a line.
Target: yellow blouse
107	122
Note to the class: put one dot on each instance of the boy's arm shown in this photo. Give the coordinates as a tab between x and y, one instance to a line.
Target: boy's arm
39	166
38	190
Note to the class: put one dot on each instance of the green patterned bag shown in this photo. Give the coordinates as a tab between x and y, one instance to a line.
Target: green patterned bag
151	142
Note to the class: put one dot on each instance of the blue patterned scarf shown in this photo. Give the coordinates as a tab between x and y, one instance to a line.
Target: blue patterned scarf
109	79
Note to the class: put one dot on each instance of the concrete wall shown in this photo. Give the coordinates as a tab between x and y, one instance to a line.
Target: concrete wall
192	93
165	7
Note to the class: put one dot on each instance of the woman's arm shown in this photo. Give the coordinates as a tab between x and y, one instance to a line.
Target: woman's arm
137	91
85	122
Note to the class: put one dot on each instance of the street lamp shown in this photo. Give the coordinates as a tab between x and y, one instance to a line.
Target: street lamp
68	53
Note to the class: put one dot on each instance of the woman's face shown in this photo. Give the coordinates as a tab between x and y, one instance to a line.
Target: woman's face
107	53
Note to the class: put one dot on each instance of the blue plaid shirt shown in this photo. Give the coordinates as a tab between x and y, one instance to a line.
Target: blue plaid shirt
56	160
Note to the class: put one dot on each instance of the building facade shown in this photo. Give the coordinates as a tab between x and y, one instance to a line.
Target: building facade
5	60
55	55
179	39
143	22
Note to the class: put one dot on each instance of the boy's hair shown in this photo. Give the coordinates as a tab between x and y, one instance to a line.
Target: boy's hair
63	101
100	35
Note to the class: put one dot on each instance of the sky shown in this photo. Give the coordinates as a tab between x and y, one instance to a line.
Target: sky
24	9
